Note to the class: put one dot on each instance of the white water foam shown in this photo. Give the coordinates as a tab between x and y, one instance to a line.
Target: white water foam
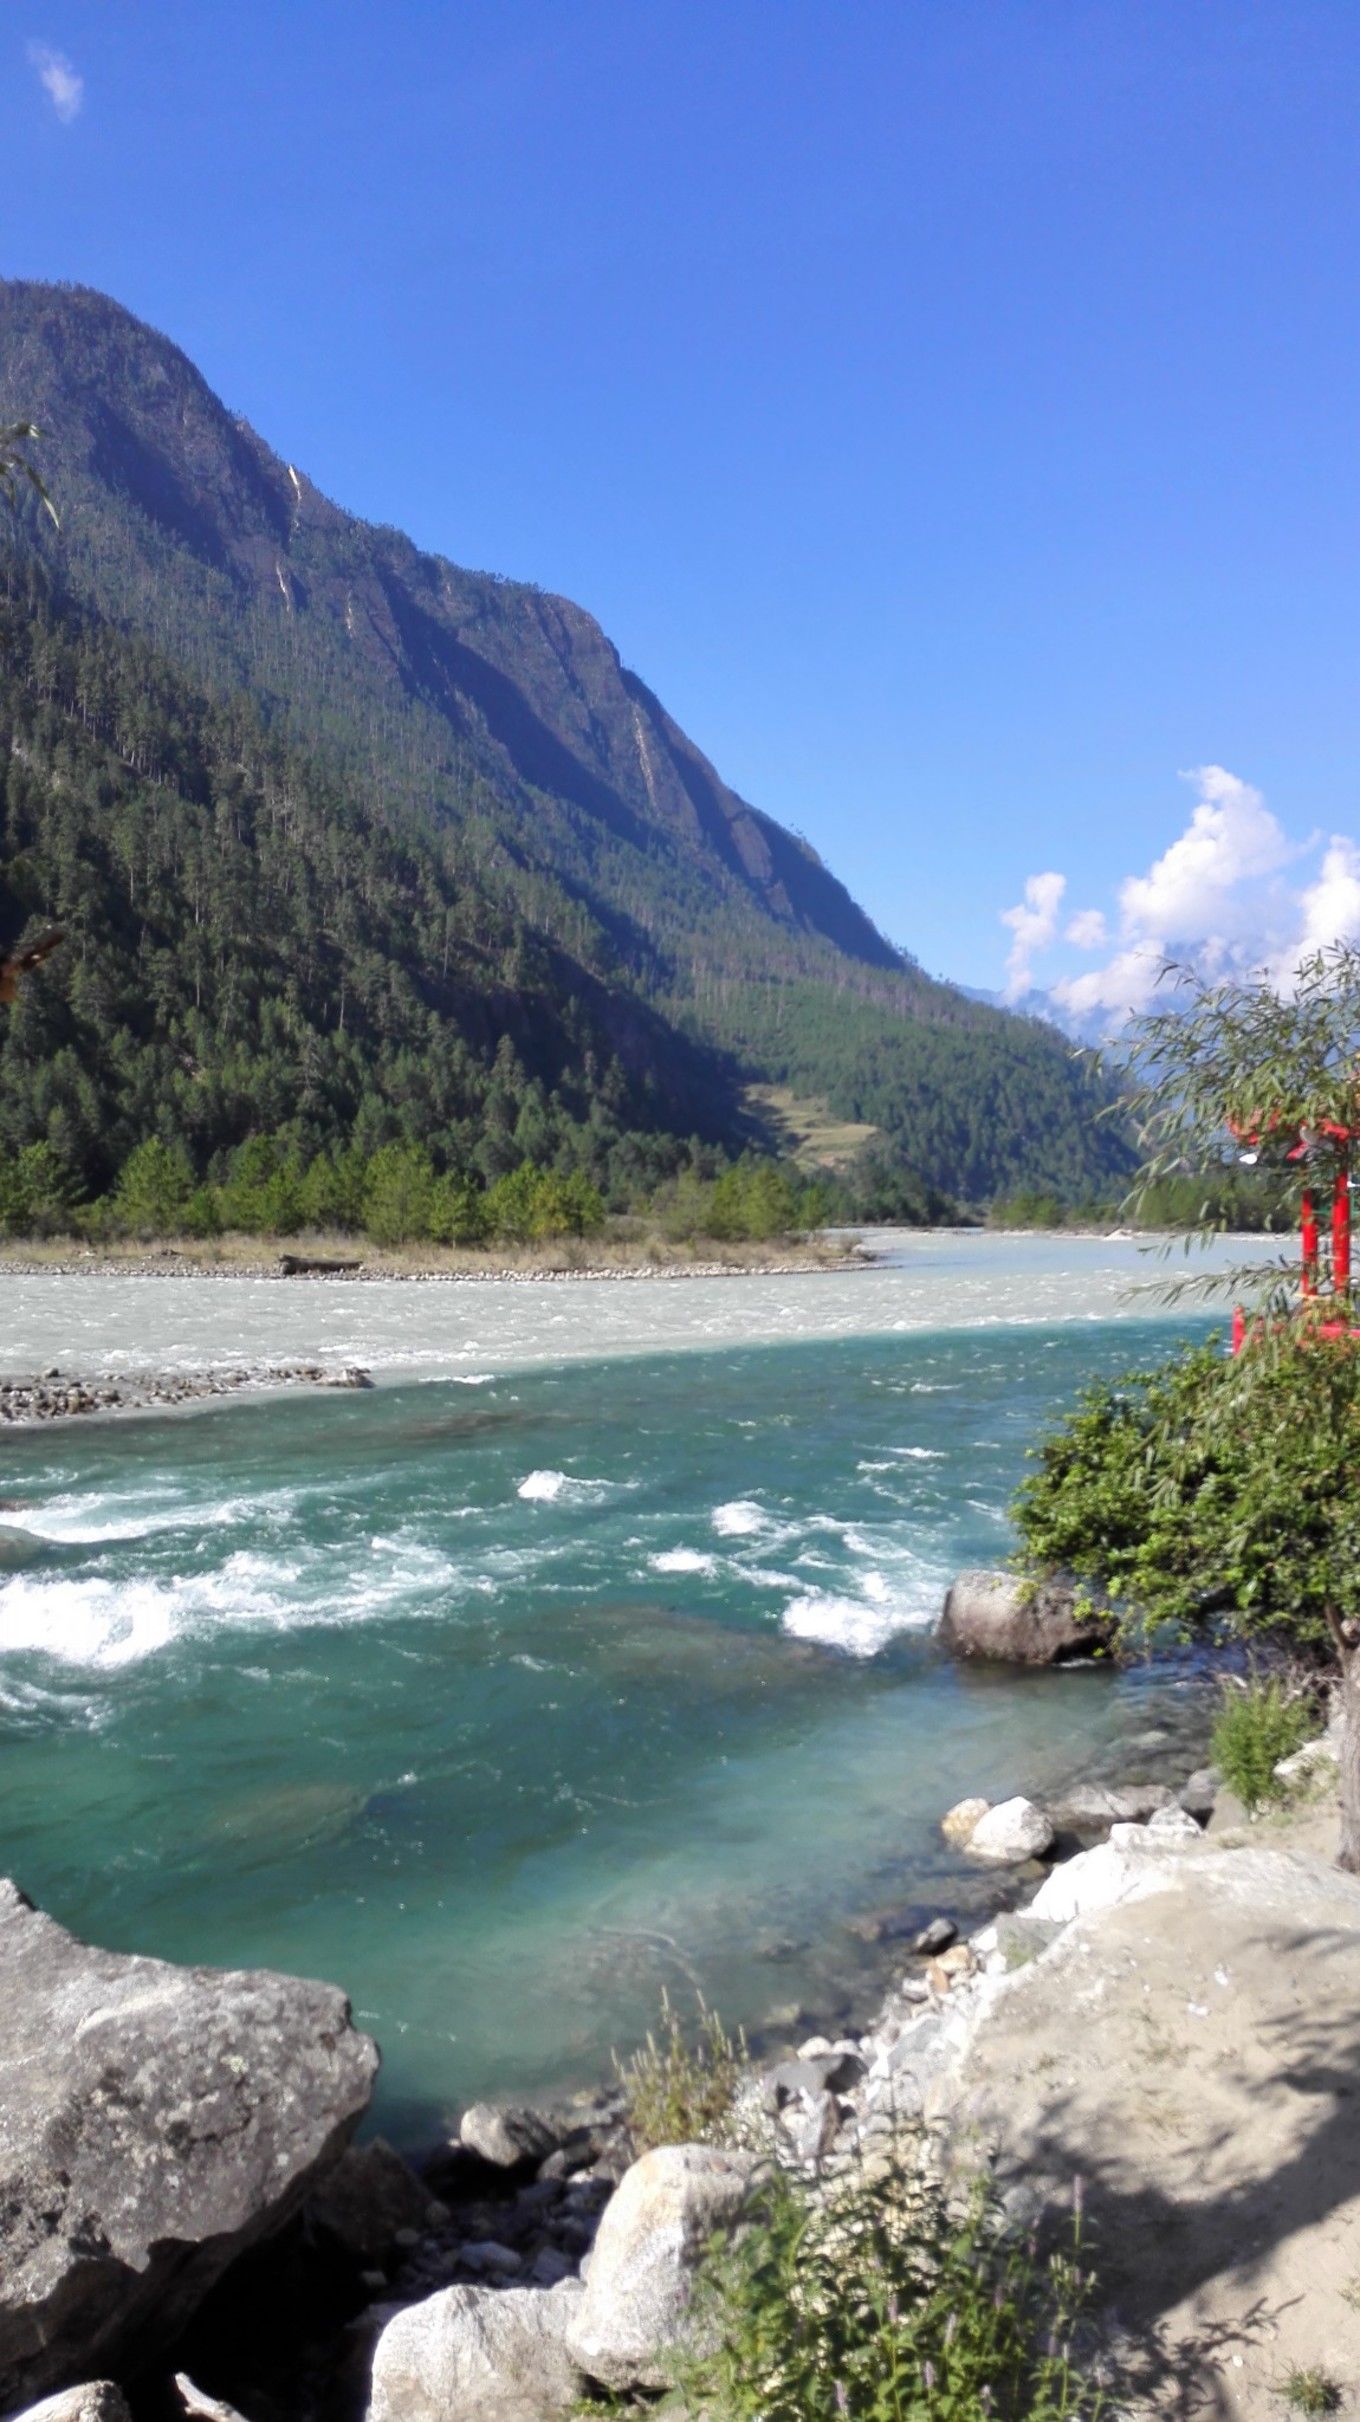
93	1517
858	1627
741	1519
683	1560
554	1488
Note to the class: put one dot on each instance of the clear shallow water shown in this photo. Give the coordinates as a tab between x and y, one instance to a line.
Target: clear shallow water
504	1704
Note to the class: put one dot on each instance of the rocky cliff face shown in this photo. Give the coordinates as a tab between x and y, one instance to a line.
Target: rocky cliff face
173	510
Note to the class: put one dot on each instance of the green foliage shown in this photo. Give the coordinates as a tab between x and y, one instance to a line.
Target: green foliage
1258	1724
753	1201
398	1194
1212	1489
38	1193
681	2086
1311	2391
1231	1068
873	2300
155	1187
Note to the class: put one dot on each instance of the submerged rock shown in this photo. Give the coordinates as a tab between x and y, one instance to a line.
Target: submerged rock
999	1616
154	2122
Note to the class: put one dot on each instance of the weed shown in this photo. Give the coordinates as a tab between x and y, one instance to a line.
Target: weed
1258	1724
680	2089
1311	2392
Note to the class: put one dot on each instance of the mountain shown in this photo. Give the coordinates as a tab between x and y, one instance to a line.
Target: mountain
492	731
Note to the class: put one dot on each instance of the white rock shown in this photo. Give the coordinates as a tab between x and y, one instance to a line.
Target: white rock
1311	1763
1010	1834
95	2401
480	2354
1134	1862
1173	1824
651	2239
959	1822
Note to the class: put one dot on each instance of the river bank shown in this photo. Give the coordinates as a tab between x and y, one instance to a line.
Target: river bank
1161	2032
354	1260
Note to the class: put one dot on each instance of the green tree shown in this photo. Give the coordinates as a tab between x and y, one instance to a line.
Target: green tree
398	1195
1225	1493
154	1189
37	1193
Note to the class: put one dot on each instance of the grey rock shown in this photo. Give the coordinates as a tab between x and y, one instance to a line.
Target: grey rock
506	2137
833	2072
1198	1794
96	2401
637	2298
549	2266
478	2354
813	2131
370	2198
501	2261
1092	1806
154	2122
937	1936
996	1616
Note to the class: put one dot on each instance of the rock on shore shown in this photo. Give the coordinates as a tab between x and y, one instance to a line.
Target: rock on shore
154	2122
1012	1622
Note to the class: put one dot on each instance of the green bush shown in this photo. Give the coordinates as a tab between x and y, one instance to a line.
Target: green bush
153	1190
37	1193
680	2089
874	2299
1257	1725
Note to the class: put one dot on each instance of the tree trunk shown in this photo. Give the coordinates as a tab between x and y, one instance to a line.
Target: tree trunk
1348	1856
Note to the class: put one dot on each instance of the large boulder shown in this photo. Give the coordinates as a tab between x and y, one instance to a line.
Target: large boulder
651	2239
154	2122
479	2354
1011	1833
1015	1622
1091	1806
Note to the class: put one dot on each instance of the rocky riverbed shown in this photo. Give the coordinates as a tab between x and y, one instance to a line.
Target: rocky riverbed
56	1395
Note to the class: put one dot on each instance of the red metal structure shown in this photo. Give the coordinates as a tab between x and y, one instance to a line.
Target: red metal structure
1326	1141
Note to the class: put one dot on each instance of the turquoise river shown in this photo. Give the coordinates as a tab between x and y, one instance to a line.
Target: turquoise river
588	1653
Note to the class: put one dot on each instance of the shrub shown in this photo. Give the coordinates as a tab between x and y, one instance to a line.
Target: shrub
1258	1724
398	1194
875	2298
153	1190
679	2091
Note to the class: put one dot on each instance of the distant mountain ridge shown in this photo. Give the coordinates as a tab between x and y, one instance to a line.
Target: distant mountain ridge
500	723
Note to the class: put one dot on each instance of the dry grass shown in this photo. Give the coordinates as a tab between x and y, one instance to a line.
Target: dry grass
806	1126
627	1248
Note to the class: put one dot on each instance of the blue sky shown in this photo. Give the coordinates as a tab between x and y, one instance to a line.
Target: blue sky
950	406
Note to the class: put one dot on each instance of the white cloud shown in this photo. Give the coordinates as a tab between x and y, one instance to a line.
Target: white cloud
1229	896
1034	923
63	87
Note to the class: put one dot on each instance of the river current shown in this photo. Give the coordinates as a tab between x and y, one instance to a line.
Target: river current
588	1654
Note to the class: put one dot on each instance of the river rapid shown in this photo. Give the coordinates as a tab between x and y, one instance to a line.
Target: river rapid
589	1653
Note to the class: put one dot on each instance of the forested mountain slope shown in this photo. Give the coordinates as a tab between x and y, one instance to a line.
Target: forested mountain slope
490	731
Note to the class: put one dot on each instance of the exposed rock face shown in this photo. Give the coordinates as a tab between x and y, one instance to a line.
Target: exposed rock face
997	1616
154	2121
651	2239
1092	1805
95	2401
478	2354
1010	1834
